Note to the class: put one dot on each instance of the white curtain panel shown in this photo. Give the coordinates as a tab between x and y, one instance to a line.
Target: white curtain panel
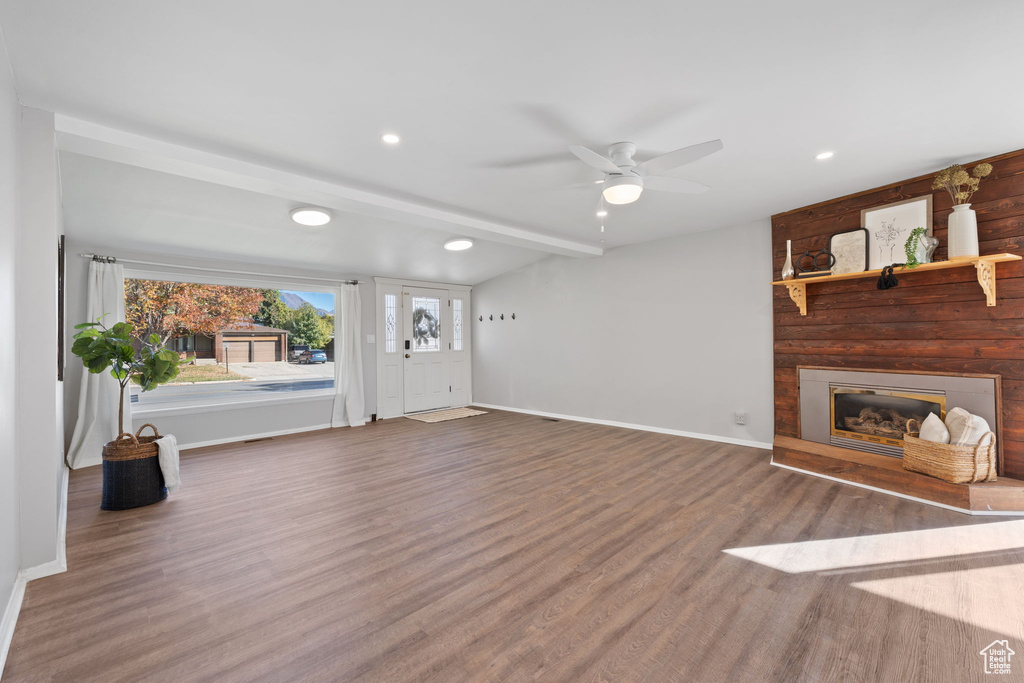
98	398
349	403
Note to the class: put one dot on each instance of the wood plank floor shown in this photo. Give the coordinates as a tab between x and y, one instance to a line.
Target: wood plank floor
508	547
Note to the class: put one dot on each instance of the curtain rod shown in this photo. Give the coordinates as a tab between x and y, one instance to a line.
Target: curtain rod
113	259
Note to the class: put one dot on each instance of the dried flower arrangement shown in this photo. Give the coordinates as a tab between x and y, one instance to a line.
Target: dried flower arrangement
958	183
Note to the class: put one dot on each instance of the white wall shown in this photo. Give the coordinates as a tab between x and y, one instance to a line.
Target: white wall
673	334
237	422
40	424
10	533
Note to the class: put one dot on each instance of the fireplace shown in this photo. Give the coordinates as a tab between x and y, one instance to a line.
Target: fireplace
869	411
878	416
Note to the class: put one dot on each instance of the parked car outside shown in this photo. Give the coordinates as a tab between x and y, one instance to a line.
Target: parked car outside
297	350
313	356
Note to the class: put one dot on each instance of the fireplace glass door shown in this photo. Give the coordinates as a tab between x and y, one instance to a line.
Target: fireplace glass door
880	416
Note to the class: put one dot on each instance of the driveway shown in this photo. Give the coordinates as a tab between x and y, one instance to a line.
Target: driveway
283	371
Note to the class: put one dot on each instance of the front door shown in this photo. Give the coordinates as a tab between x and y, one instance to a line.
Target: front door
426	349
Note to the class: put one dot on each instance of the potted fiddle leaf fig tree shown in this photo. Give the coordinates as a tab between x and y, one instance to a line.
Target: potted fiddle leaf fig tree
131	467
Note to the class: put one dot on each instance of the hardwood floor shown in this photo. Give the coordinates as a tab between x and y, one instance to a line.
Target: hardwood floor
510	547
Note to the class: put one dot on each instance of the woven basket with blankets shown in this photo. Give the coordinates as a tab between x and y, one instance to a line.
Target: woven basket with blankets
960	450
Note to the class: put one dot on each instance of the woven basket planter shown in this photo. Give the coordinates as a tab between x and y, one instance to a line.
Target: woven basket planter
131	471
955	464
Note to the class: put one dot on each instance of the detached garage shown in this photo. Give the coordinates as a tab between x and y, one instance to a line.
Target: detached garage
251	344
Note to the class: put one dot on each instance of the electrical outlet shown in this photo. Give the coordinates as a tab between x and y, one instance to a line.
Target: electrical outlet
741	417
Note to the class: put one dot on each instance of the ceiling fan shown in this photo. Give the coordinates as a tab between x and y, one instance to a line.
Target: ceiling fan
625	179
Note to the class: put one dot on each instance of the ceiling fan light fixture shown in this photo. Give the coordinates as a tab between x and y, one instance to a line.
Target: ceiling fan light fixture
311	216
623	189
458	244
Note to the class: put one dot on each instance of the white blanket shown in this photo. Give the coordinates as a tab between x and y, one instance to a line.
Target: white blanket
168	446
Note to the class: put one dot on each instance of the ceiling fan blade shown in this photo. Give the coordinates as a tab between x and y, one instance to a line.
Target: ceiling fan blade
592	158
526	162
665	184
686	155
590	185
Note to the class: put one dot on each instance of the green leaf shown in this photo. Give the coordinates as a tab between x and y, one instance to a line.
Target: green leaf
154	339
80	326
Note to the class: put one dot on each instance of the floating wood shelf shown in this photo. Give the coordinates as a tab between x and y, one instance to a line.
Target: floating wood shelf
985	265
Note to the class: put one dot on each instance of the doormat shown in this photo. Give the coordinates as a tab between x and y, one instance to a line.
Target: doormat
447	414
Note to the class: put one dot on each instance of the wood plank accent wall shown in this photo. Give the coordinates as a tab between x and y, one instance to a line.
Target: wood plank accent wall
934	321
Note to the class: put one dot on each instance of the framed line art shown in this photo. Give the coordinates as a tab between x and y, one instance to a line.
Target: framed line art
850	250
890	225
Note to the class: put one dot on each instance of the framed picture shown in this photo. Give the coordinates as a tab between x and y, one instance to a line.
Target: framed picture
850	249
890	225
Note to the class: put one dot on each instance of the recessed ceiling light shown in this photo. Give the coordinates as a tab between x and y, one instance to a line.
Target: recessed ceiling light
308	215
458	244
390	138
602	213
825	155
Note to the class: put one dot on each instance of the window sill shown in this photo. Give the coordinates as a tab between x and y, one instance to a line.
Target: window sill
199	407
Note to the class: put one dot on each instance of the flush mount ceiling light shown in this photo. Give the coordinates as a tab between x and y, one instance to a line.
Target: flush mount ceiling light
458	244
623	189
824	155
308	215
390	139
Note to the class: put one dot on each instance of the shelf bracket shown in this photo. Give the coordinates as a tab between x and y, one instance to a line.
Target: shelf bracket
798	293
987	279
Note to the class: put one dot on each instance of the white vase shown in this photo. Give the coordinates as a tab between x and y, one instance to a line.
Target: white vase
962	238
787	268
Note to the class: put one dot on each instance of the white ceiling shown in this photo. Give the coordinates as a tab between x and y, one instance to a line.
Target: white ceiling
117	207
476	88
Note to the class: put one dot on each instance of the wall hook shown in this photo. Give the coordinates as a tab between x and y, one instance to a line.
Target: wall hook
513	316
490	317
502	316
481	318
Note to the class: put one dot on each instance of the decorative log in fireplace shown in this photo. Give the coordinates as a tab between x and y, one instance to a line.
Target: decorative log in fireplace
880	422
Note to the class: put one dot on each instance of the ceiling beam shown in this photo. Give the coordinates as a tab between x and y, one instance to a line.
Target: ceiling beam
111	144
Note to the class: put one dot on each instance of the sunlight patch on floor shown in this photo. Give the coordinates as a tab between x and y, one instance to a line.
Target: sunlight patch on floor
909	547
987	597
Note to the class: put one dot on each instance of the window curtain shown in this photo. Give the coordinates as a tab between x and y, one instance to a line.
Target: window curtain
348	360
98	397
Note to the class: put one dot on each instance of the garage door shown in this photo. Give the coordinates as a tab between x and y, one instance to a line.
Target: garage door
238	351
264	351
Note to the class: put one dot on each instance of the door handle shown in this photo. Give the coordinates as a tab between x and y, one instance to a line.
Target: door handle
408	355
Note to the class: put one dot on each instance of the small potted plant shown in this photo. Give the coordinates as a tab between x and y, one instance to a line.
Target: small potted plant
131	467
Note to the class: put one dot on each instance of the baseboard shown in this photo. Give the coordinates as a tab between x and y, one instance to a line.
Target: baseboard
41	571
626	425
250	437
9	618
